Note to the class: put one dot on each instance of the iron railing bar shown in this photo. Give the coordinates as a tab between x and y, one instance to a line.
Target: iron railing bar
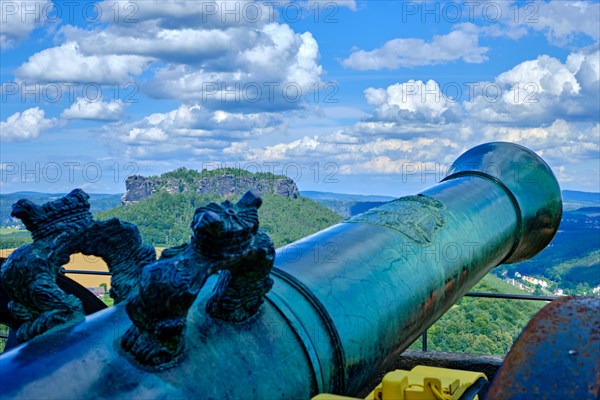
512	296
496	296
84	272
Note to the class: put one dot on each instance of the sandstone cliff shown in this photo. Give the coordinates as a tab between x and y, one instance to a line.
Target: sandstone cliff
225	182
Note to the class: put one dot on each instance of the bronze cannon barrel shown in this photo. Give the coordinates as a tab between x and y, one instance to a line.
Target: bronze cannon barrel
345	301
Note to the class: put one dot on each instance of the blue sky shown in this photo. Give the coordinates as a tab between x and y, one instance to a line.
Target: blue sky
350	96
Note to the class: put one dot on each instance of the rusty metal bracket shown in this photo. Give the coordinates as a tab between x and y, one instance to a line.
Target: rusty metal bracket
557	356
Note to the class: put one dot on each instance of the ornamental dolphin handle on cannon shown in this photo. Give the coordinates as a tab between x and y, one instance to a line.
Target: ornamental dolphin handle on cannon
328	324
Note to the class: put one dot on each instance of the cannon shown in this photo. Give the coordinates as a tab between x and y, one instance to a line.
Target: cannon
342	303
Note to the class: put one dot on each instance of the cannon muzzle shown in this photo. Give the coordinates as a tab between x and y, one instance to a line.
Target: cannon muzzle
344	302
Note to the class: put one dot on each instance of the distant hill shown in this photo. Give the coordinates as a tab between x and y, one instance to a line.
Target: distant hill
576	196
164	218
587	210
347	205
223	182
572	260
342	196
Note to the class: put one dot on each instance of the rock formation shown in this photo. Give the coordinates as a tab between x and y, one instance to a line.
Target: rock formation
224	182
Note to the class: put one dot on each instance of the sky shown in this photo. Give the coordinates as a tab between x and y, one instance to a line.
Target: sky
365	97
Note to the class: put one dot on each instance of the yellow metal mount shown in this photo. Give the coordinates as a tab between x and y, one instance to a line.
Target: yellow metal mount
420	383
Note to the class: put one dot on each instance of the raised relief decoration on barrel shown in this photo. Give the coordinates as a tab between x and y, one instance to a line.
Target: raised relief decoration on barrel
416	217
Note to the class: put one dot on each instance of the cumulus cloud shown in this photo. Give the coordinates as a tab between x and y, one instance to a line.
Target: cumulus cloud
249	65
276	72
149	39
67	63
563	21
26	125
542	90
95	110
462	43
194	14
19	19
412	101
364	155
209	14
413	122
559	142
190	130
565	146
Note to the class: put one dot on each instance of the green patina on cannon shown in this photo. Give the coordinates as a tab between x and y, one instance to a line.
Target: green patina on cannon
332	320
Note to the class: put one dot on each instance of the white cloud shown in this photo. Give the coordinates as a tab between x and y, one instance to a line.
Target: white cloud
20	18
275	72
539	91
564	20
208	14
97	110
178	13
149	39
413	122
462	43
548	74
558	143
361	155
147	135
188	131
67	63
249	67
26	125
567	147
411	101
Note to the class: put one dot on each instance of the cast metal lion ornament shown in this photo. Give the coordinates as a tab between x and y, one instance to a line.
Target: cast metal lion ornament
226	239
60	228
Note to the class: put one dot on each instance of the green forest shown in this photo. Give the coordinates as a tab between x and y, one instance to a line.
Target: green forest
482	326
164	219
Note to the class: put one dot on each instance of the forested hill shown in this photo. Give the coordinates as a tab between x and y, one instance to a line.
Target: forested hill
162	206
164	218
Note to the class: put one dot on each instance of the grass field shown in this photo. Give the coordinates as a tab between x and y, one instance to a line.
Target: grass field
8	231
